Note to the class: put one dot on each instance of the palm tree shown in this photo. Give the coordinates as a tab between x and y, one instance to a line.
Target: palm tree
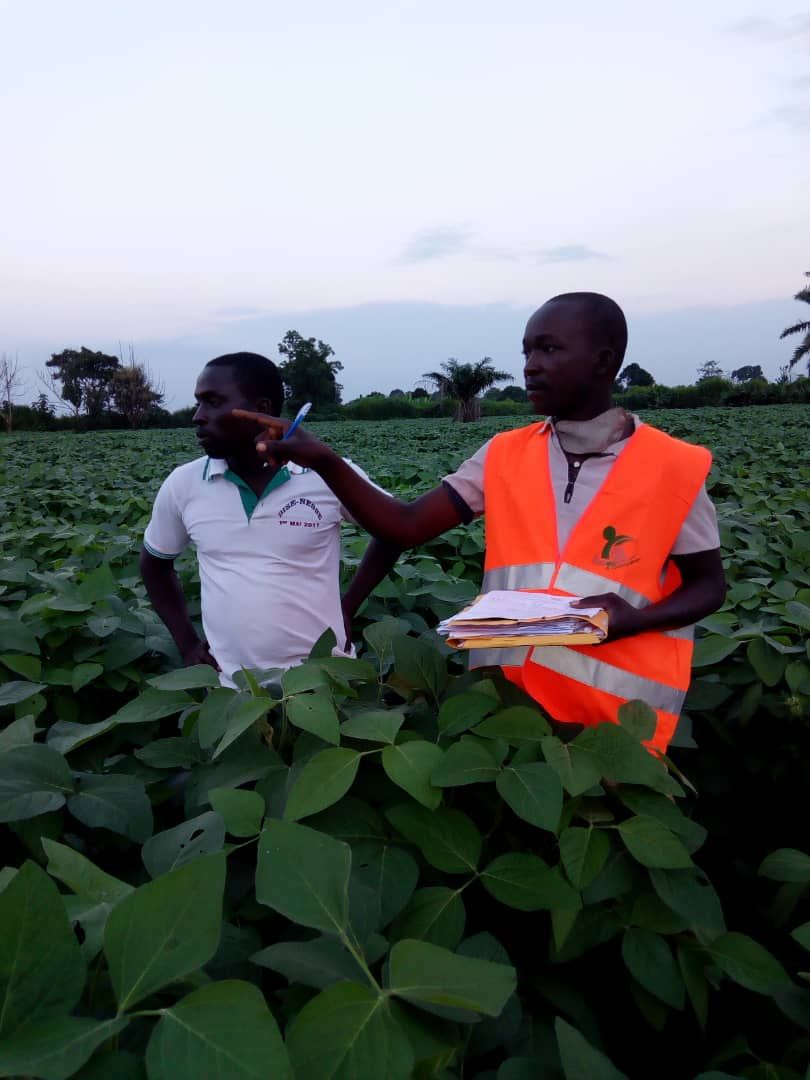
803	348
465	382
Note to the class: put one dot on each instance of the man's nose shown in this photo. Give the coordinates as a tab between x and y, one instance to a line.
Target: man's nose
198	416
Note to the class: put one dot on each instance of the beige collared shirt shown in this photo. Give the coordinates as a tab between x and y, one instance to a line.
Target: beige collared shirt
698	533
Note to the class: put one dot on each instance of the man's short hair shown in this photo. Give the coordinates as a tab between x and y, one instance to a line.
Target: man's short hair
255	375
603	317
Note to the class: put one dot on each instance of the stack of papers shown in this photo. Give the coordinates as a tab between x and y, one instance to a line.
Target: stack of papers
502	619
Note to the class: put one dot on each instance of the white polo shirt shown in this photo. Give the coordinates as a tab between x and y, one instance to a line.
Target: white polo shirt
269	567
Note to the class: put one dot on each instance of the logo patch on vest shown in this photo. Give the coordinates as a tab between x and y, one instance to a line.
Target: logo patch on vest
618	550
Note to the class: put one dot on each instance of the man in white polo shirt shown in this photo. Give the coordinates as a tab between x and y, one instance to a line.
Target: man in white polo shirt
267	537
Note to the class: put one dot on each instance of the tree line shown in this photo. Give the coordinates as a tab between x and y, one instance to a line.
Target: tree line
98	390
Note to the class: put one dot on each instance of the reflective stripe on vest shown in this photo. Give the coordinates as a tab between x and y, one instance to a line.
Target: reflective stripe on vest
590	671
524	576
516	656
572	579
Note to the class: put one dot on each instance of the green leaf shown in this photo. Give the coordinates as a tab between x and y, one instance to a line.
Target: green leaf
426	974
527	883
373	725
749	964
623	760
519	726
65	736
448	839
638	719
465	762
189	678
307	676
315	713
534	792
152	705
583	852
41	966
83	674
651	963
410	766
692	964
20	732
348	1032
653	845
33	780
580	1060
212	720
693	898
83	876
242	811
30	667
786	864
113	801
324	779
304	874
766	661
380	636
221	1030
577	767
55	1049
168	850
165	930
241	715
798	614
802	935
460	712
420	665
17	637
434	914
18	690
711	649
388	874
177	752
103	625
320	962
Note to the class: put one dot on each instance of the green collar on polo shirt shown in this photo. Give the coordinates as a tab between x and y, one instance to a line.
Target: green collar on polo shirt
215	467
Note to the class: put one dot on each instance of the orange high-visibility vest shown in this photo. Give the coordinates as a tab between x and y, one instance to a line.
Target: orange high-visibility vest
621	544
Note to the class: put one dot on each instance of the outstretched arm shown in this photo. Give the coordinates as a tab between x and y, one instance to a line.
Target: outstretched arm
702	591
164	590
400	524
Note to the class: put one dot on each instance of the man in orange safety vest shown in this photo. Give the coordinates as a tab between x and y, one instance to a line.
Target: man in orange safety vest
588	502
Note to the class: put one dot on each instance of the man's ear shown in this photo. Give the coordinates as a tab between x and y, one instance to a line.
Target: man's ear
606	364
265	405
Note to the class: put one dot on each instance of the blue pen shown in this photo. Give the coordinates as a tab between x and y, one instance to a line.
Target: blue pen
302	412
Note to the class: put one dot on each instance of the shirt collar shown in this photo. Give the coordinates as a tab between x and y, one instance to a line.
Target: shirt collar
548	425
215	467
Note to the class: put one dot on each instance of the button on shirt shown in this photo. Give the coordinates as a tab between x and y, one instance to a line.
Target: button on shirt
269	565
574	489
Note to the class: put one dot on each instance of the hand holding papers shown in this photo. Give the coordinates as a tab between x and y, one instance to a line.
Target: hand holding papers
501	619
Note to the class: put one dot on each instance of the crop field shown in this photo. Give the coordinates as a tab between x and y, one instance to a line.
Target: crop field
389	867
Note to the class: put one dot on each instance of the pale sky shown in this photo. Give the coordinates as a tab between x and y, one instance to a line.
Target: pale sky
183	174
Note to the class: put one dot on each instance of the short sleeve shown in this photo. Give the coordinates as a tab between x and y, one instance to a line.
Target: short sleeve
166	535
699	532
468	480
344	513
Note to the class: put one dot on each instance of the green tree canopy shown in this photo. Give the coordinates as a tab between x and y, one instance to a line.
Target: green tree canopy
634	375
747	373
133	395
803	348
85	376
464	383
308	372
710	370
